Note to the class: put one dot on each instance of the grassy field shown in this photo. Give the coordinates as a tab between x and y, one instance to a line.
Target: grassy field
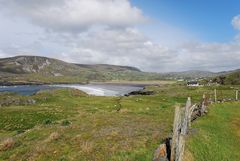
67	124
216	136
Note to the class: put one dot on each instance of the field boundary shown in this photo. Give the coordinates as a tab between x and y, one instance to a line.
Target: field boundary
173	148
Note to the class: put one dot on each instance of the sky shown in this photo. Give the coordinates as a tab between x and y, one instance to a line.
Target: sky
152	35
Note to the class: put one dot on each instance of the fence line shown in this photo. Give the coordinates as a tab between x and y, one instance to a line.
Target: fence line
182	121
173	148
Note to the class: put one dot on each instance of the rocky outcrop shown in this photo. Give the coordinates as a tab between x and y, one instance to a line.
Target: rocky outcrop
32	64
140	92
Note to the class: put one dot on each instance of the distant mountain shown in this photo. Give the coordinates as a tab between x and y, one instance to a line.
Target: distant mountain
36	69
107	67
50	66
47	70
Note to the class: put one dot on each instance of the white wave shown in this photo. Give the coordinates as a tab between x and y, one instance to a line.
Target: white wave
91	90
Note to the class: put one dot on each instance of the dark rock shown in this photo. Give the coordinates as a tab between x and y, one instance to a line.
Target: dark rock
141	92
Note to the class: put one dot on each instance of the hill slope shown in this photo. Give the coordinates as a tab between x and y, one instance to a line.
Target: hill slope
36	69
47	70
190	74
230	77
50	66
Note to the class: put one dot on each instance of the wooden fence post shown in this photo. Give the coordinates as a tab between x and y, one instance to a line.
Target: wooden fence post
215	95
176	132
192	108
186	117
181	147
203	105
237	95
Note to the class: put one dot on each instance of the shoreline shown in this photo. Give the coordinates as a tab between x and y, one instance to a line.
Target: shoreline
38	83
131	83
141	83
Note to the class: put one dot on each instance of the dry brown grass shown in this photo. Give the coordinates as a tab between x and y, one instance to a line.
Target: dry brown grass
87	147
188	156
236	126
54	136
6	144
156	135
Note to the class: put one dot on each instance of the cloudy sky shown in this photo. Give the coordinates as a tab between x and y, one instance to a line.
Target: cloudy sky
153	35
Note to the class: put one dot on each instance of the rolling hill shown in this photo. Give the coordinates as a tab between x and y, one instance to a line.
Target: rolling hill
40	70
35	69
190	74
228	77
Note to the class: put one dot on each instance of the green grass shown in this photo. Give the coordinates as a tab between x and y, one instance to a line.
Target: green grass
97	128
217	135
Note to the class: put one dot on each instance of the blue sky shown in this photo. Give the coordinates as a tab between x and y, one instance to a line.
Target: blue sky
153	35
210	20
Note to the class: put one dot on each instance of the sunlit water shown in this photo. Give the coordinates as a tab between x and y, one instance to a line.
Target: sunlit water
91	89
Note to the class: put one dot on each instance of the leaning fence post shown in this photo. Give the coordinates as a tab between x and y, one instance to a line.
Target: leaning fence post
181	147
186	117
176	132
215	95
203	105
237	95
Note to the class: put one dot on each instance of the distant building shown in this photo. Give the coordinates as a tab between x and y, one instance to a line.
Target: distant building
193	84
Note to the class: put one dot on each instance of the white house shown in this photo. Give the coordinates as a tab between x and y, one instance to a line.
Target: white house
193	84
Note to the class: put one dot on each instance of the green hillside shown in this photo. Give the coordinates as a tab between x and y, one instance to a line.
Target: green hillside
229	78
34	69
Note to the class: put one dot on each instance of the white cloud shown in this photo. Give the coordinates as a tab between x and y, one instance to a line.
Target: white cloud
102	31
236	22
210	56
76	15
114	46
130	47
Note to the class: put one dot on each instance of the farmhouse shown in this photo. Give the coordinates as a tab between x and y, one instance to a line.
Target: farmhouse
193	84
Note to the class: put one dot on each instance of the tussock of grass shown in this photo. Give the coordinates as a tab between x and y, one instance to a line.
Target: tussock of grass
6	144
87	147
54	136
